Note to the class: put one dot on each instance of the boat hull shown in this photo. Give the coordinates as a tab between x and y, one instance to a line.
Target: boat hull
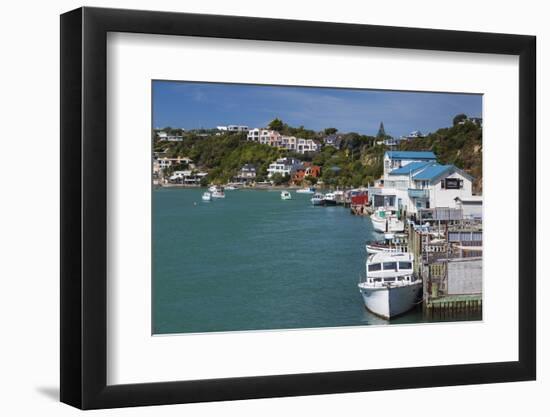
388	302
379	225
316	202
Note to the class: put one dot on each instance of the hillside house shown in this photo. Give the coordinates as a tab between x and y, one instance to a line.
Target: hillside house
423	185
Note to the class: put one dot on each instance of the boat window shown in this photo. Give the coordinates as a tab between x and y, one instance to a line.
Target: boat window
375	267
377	279
392	279
413	278
400	278
405	265
390	265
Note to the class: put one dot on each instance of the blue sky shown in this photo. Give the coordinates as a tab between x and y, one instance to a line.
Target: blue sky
192	105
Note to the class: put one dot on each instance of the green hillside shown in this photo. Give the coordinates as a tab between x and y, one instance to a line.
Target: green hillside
358	162
460	145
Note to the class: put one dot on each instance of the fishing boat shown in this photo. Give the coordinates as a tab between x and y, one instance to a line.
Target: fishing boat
392	243
307	190
218	193
390	286
207	196
339	196
330	199
285	195
318	199
385	219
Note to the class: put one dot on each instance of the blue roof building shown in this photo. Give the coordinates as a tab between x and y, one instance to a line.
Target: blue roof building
425	184
410	168
398	159
434	172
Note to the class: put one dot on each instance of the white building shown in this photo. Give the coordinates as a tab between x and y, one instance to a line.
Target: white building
419	182
397	159
233	128
415	134
187	177
164	136
283	166
472	207
163	162
275	139
307	145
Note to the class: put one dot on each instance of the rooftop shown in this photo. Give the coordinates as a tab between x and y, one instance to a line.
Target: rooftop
433	171
410	168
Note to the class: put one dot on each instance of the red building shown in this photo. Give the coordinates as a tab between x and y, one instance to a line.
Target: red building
360	199
306	170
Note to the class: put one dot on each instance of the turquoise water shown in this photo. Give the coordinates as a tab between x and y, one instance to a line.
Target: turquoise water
253	261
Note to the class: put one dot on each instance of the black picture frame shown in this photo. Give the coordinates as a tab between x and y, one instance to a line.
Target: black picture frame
84	207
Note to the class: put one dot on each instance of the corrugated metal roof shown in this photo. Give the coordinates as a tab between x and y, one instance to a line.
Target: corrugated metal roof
407	169
411	155
433	171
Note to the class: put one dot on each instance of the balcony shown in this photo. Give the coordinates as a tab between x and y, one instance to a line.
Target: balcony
418	193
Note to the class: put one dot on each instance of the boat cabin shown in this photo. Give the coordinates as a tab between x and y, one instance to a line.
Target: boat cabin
387	268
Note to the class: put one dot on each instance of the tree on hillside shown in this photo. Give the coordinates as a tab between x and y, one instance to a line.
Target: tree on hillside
311	179
330	131
381	131
279	179
459	118
276	124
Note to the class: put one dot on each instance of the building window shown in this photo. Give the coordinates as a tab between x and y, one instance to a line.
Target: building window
452	183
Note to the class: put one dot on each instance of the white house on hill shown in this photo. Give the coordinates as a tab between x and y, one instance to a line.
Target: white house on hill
417	181
398	159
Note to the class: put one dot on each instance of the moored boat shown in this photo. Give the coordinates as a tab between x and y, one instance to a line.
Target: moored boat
339	196
285	195
392	243
307	190
330	199
218	193
207	196
390	286
318	199
386	220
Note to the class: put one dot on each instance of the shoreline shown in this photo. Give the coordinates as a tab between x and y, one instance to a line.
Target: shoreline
257	187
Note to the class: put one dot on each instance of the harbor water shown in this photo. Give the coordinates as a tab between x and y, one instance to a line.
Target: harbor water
252	261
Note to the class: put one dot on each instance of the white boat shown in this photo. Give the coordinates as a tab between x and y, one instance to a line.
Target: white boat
285	195
386	220
339	196
393	243
390	287
230	187
318	199
307	190
213	188
206	196
218	194
330	199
